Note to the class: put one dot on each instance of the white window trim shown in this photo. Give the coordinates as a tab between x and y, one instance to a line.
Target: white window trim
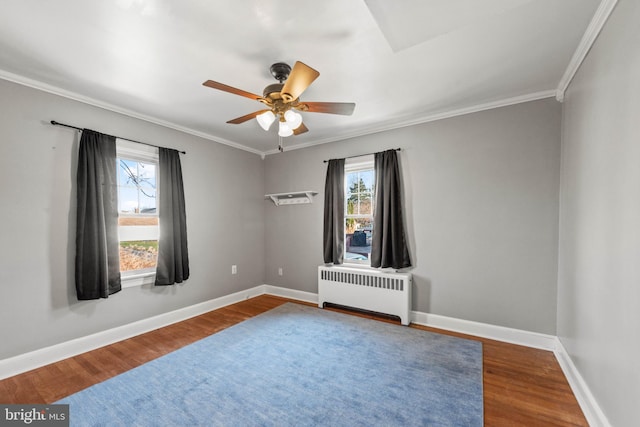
356	164
145	153
135	151
132	280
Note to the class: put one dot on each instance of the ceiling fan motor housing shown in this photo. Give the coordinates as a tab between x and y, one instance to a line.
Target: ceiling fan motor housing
280	71
272	91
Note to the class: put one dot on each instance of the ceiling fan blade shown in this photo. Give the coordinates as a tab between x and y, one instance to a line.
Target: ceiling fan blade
249	116
300	129
300	78
233	90
344	108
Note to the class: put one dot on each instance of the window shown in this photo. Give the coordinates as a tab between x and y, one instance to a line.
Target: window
138	227
359	203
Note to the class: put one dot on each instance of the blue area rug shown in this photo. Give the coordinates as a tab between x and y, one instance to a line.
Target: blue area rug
297	366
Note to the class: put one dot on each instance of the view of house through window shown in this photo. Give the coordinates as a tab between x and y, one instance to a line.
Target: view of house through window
138	228
359	194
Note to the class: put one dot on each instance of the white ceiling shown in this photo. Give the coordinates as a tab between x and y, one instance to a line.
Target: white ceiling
400	61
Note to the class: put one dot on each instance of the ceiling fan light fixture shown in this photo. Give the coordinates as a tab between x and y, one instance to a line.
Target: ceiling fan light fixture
265	119
293	119
285	130
281	101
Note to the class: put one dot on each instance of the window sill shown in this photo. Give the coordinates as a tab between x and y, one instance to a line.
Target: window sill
137	279
362	265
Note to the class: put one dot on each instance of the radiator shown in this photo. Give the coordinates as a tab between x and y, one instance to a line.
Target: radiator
382	292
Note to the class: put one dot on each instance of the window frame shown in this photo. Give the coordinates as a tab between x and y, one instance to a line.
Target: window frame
148	154
357	164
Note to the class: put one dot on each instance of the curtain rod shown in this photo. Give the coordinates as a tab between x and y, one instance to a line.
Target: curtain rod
366	154
53	122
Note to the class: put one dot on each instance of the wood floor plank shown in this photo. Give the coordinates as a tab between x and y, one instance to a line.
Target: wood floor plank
522	386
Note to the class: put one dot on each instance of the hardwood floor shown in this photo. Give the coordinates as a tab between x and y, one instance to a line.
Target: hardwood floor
522	386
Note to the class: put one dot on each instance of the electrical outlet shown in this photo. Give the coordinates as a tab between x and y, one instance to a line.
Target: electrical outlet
234	269
280	271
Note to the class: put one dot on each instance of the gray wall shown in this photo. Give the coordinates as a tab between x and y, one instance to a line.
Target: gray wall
481	196
599	263
482	212
224	195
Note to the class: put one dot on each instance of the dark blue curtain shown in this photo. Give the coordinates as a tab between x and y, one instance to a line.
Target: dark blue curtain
388	243
97	266
173	255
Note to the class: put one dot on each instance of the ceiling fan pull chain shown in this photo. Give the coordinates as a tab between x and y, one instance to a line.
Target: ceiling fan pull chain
280	147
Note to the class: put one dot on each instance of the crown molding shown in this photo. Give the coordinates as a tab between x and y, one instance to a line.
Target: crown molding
35	84
390	125
588	39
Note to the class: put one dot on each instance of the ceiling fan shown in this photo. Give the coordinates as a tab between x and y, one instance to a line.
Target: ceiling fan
283	98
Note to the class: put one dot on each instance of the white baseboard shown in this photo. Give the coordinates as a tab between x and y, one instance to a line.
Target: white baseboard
592	411
485	330
44	356
35	359
291	293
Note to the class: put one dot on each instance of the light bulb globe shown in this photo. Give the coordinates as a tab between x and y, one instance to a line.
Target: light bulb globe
293	119
265	119
285	130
